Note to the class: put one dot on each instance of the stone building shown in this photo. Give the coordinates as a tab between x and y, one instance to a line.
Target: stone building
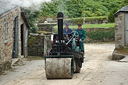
13	33
121	33
121	29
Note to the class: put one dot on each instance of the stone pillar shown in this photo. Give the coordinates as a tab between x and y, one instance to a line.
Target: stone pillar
119	31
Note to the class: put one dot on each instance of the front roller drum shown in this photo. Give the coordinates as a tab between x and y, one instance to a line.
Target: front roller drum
59	68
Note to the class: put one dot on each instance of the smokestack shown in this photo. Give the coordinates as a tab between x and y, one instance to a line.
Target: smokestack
60	17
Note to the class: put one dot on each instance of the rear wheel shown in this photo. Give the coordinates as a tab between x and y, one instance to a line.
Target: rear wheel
78	65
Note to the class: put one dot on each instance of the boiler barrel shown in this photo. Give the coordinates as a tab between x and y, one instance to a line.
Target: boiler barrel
60	26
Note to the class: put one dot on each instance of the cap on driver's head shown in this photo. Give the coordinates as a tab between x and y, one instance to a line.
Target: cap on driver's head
66	24
79	24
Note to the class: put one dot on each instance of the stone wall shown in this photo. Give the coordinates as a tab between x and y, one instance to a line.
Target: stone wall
38	44
6	45
119	30
95	21
76	21
46	26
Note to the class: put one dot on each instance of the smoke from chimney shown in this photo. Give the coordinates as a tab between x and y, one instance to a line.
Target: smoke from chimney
28	3
25	3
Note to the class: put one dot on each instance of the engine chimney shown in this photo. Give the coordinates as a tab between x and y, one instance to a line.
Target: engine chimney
60	17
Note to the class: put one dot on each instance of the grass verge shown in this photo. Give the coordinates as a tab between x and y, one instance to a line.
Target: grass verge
30	58
109	25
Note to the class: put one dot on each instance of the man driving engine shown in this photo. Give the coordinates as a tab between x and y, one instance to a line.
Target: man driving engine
82	35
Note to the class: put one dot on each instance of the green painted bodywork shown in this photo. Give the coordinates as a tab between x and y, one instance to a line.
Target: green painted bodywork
74	47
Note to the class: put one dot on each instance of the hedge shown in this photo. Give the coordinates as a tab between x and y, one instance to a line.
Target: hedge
101	35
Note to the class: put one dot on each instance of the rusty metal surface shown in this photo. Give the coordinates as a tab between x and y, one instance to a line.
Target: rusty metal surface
57	68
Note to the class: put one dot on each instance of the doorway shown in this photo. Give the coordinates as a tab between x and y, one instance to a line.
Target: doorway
22	39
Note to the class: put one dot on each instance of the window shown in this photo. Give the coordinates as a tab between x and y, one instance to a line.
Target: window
6	32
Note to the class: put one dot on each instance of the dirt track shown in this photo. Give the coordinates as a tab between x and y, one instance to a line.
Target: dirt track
97	70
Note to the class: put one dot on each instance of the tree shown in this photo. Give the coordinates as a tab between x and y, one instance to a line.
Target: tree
125	2
75	8
111	17
32	17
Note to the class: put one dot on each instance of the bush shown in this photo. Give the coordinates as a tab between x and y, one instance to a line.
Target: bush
88	13
101	35
111	17
31	40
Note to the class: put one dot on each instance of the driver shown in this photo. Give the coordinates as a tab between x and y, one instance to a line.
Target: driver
82	35
67	30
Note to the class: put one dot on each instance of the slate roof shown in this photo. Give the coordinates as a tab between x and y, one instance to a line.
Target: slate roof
6	5
123	10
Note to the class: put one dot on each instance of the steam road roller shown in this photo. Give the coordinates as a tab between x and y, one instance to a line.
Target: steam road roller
65	57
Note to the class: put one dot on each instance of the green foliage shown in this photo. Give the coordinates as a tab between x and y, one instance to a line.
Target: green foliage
125	2
74	9
32	17
101	35
98	13
77	8
88	13
31	40
111	17
48	9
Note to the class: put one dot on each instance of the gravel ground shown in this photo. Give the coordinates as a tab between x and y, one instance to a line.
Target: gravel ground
97	69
